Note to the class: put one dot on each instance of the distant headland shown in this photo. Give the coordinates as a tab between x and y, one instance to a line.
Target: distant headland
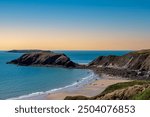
28	51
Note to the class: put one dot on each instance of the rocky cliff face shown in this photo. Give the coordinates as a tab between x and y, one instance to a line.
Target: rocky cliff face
138	60
44	59
135	65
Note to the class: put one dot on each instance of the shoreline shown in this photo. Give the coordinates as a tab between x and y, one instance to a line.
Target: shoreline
91	89
91	77
90	86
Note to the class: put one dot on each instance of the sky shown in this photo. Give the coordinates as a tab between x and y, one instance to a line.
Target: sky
75	24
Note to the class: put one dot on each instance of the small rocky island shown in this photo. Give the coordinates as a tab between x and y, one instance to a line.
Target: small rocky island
28	51
44	59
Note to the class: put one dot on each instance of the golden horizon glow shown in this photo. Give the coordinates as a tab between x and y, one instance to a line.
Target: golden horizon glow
58	39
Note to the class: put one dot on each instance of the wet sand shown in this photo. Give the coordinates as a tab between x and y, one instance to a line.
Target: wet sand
91	89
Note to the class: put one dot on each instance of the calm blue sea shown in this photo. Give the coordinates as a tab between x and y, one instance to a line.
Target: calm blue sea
16	81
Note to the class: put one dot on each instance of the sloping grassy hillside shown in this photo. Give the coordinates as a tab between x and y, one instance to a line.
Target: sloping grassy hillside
118	86
134	90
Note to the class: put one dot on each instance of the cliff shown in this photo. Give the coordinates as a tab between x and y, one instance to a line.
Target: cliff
44	59
134	64
138	60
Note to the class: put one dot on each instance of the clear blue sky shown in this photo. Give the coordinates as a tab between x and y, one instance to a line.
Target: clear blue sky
128	18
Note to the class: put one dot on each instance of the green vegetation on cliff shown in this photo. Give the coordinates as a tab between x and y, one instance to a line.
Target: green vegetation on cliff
118	86
145	95
134	90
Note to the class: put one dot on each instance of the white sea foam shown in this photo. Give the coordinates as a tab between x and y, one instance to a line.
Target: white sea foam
42	95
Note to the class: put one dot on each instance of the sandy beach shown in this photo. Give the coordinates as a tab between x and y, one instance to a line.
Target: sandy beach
91	89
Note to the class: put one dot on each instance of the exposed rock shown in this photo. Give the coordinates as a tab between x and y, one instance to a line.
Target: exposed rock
44	59
139	60
133	64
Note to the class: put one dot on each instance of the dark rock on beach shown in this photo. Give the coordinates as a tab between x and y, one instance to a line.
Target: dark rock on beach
44	59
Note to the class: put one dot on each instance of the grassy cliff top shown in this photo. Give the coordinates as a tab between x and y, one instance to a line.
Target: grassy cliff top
146	51
134	90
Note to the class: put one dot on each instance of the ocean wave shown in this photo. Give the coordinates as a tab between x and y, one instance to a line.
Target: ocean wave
38	95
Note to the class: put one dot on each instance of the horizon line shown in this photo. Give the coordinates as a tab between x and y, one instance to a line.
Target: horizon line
75	49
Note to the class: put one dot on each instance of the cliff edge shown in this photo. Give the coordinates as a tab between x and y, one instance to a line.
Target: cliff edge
134	64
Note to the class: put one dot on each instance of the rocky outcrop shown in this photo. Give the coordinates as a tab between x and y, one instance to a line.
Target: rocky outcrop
44	59
134	64
138	60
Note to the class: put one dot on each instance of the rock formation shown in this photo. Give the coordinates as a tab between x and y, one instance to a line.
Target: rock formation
133	64
138	60
44	59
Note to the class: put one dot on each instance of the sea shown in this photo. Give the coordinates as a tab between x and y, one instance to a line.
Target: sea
18	82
